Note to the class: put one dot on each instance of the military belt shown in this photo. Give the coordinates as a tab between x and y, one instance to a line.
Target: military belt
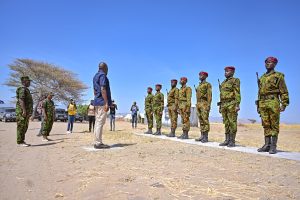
227	100
269	97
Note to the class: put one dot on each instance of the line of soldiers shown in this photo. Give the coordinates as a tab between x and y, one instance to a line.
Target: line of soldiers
272	99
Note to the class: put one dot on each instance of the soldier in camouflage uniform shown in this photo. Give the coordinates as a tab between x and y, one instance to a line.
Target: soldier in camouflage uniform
158	107
173	107
24	108
204	97
230	105
49	115
185	96
149	110
273	97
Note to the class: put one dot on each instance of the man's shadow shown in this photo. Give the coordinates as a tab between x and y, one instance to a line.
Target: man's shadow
121	145
46	144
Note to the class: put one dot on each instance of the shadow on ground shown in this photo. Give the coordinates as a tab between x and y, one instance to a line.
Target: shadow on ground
121	145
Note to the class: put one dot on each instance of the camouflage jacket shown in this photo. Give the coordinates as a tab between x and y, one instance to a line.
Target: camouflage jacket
230	90
185	95
49	107
204	92
24	94
158	100
149	102
273	84
173	97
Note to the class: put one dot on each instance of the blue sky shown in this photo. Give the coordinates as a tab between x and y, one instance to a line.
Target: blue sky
149	42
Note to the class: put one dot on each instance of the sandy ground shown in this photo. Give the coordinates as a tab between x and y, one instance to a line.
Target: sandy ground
140	168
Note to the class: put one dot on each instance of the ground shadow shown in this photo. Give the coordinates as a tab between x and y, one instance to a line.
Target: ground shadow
58	134
44	144
121	145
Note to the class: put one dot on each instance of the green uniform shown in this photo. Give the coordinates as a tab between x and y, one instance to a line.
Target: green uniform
49	107
272	92
22	122
185	96
204	97
173	106
230	98
158	107
149	110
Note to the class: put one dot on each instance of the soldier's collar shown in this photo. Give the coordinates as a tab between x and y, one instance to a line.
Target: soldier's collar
268	74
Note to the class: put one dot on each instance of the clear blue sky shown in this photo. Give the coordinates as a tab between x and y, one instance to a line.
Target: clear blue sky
149	42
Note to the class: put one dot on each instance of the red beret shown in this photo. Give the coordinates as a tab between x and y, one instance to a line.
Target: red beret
149	88
272	59
174	80
184	78
204	73
230	68
159	85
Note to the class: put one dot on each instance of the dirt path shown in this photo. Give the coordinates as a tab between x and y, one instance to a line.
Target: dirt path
141	167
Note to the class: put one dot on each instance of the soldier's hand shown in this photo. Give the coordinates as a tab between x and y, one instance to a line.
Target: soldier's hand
24	113
282	108
106	107
237	108
220	110
45	118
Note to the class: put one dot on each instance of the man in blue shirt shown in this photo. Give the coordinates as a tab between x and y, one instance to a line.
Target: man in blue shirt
102	101
134	111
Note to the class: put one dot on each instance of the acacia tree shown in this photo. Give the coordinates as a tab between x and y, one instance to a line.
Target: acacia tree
46	78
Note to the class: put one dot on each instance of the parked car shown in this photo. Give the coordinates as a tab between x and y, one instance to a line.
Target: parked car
78	118
60	114
8	114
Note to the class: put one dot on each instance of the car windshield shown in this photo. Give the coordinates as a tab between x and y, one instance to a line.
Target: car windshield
60	111
10	110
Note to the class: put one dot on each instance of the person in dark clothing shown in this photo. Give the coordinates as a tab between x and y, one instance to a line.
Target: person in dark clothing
134	111
91	115
112	113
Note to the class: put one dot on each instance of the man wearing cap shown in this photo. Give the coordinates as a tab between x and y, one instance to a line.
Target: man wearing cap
273	98
173	106
184	100
102	101
149	110
158	107
204	97
24	108
49	115
230	105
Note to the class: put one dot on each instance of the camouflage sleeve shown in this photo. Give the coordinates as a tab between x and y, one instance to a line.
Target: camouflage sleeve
237	91
176	96
21	93
209	94
284	94
198	92
162	101
189	96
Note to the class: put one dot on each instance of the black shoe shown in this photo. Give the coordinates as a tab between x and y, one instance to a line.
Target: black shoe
200	138
172	133
266	147
149	131
273	146
184	135
101	146
205	137
39	135
231	140
226	142
157	132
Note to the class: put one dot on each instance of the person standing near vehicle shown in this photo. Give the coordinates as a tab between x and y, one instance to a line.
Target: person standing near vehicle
91	115
72	109
38	110
112	114
48	115
134	111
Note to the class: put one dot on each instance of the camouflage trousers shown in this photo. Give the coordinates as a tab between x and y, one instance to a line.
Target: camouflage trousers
270	116
185	113
157	116
173	114
47	126
22	126
203	115
149	115
229	117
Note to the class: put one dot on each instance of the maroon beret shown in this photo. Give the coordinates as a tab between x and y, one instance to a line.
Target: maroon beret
204	73
184	79
158	85
149	88
230	68
272	59
174	80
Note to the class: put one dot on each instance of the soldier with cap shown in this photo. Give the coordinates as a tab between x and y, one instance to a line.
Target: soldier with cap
230	99
185	96
204	97
24	108
173	106
273	98
149	110
49	115
158	107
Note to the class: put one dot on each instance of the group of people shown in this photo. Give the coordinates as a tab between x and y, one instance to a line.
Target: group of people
272	99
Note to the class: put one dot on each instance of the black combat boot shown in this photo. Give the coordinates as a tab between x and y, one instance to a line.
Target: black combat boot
157	132
149	131
184	135
200	138
266	147
226	142
273	146
172	133
231	140
205	137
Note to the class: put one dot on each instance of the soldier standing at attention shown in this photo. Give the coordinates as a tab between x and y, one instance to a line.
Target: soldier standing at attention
204	97
272	92
173	107
24	108
230	105
185	96
49	115
149	110
158	107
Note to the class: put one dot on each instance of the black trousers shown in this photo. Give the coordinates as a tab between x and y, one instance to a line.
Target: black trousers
91	123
